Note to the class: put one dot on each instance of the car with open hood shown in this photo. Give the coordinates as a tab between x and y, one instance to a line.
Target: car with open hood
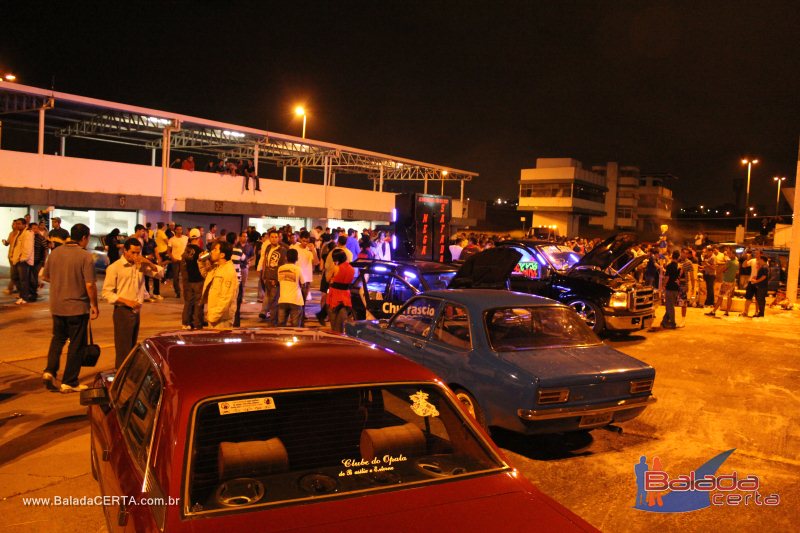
520	362
291	429
600	285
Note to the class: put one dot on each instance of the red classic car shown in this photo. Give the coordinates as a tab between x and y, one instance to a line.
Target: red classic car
252	430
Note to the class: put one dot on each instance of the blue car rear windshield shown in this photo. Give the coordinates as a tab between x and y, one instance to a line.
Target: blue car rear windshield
438	280
524	328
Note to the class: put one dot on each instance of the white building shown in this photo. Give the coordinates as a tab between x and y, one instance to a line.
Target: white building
560	192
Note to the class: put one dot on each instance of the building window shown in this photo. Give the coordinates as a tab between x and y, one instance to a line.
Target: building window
544	190
647	200
592	194
624	212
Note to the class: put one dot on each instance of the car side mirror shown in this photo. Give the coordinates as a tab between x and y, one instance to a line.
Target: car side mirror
383	323
95	396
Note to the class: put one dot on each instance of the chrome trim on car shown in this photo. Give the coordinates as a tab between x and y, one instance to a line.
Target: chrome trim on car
642	299
569	412
626	321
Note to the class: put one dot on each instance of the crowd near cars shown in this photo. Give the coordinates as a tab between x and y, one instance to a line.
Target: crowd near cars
298	422
395	415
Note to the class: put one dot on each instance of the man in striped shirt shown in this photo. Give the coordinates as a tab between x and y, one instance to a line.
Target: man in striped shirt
236	259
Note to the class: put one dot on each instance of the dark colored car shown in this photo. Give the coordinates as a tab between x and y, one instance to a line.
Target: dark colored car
253	430
599	286
382	287
517	361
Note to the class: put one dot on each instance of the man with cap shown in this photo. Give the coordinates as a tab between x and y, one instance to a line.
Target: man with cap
124	289
192	275
58	235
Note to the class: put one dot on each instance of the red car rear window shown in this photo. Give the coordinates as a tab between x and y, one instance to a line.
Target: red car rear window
254	450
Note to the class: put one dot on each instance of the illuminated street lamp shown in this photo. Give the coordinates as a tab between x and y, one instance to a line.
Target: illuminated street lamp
749	163
779	179
300	111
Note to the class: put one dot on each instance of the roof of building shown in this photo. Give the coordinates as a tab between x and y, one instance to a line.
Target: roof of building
69	115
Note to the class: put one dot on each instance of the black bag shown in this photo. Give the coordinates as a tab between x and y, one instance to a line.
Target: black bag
91	352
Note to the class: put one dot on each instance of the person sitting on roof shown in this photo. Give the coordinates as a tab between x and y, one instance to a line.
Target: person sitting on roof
188	163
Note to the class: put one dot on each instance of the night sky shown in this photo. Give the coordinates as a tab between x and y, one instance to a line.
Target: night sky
685	87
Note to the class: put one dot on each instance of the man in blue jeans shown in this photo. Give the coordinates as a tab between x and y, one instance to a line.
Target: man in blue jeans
672	289
73	302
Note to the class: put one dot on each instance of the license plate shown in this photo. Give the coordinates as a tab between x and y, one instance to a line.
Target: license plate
595	420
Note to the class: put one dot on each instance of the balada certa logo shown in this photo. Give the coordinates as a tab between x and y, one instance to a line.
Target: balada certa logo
659	492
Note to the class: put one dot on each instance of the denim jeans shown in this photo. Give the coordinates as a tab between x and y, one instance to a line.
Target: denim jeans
289	315
272	291
26	292
74	329
192	304
669	309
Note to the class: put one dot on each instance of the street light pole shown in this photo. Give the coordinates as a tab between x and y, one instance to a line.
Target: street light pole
779	179
300	111
749	163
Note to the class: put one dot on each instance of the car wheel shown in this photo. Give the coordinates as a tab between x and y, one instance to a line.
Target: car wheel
590	313
472	406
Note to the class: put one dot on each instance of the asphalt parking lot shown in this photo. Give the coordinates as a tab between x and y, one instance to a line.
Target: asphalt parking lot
727	383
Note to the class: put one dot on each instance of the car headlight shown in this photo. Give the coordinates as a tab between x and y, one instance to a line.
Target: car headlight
619	299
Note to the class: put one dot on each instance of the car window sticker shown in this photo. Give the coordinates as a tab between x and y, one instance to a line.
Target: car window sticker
423	310
263	403
421	406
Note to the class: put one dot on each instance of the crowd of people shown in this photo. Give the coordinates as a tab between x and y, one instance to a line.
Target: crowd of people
707	276
210	270
224	167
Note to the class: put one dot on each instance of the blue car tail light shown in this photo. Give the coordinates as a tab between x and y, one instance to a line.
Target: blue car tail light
550	396
641	385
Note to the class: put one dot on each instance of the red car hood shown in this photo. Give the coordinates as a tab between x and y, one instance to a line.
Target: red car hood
487	503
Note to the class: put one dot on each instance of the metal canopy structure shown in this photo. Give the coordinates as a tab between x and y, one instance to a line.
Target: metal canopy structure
72	116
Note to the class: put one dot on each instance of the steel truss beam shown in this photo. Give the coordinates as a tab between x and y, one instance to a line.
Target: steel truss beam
114	125
203	138
23	103
417	173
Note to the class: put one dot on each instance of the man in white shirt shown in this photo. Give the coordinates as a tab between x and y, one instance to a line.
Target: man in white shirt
211	236
123	287
290	300
177	245
306	261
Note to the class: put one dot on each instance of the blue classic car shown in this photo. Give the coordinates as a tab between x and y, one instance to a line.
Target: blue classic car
521	362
